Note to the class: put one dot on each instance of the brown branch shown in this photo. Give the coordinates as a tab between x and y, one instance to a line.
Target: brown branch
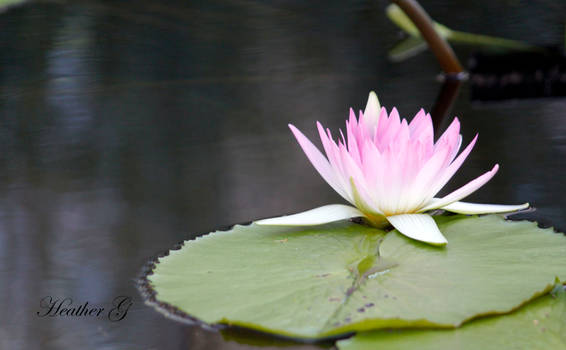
444	101
440	48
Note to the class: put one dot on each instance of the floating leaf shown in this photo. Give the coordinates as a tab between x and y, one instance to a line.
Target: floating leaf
538	325
327	280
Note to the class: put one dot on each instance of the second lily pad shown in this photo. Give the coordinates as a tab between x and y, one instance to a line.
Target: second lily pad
538	325
328	280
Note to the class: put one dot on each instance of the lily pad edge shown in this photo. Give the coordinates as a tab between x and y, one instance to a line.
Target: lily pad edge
146	289
149	295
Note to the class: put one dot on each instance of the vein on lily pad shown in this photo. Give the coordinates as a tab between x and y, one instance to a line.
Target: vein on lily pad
390	170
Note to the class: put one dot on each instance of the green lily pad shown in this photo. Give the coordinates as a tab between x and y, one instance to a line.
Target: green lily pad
331	279
538	325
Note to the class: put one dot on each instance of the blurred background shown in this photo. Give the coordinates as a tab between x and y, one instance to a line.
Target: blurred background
129	126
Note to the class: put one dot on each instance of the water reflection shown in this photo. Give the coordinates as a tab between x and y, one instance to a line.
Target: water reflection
128	127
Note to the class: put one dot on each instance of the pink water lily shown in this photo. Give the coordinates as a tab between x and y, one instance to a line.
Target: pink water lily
391	171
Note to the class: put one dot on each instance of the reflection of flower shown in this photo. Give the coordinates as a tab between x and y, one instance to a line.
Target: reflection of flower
390	170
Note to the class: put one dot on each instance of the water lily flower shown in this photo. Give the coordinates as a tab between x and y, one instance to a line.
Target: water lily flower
391	171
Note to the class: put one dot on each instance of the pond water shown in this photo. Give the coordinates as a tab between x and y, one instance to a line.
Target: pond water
126	127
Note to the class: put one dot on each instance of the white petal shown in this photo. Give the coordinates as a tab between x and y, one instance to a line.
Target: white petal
477	208
316	216
372	111
420	227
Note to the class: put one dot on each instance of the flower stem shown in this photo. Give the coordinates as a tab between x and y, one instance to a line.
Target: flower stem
443	52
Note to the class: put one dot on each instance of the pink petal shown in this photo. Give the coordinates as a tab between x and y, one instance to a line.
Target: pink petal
374	171
419	123
333	154
350	166
447	173
463	191
394	117
319	162
392	182
352	134
451	132
451	137
429	173
422	131
383	120
390	130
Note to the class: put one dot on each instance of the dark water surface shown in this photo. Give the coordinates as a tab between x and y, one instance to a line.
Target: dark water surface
126	127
